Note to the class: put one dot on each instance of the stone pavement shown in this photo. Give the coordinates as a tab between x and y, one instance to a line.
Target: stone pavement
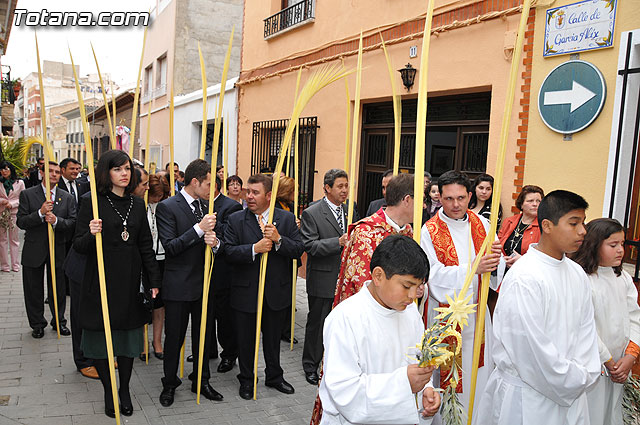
39	383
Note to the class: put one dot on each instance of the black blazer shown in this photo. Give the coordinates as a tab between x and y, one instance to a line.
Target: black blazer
241	233
184	249
223	207
35	250
33	180
82	187
123	262
320	233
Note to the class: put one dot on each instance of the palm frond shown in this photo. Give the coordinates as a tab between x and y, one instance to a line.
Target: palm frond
12	151
33	141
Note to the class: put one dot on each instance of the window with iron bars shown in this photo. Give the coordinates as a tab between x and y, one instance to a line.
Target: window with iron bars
265	148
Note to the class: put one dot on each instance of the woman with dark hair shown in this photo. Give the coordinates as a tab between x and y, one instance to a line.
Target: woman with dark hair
234	189
127	247
9	199
220	172
159	190
521	230
142	177
482	196
617	316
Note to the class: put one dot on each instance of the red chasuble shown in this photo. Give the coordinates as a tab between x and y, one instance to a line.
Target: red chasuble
448	256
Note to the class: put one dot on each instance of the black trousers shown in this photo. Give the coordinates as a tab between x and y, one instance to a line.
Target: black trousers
76	331
271	330
33	285
176	321
319	309
225	325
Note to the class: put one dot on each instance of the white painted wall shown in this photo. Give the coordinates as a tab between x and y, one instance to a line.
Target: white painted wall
187	119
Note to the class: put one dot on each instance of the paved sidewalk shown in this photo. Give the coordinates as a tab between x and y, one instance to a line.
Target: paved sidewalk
39	383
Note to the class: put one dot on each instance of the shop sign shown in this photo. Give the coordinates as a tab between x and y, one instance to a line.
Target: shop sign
578	27
571	96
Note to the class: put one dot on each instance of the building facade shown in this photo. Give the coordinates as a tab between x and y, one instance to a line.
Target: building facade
171	54
471	48
601	161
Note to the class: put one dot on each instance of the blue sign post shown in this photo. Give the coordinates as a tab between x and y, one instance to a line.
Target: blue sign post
571	96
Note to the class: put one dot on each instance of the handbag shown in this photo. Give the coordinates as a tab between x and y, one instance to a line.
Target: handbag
144	299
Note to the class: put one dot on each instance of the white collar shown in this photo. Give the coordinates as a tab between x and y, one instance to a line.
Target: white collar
452	221
264	215
331	204
214	199
393	224
67	181
187	197
44	189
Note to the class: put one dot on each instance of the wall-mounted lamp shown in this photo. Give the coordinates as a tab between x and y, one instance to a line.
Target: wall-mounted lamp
408	74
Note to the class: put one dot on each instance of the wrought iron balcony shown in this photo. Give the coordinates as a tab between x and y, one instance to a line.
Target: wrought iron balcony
290	17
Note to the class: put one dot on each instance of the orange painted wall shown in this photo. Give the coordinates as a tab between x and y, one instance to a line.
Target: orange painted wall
463	60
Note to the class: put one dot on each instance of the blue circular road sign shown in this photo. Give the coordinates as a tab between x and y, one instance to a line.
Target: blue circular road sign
571	96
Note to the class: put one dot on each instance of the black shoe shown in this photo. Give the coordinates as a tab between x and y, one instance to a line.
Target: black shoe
109	410
190	358
207	391
159	356
246	392
225	365
284	387
166	396
287	339
37	333
312	378
126	406
64	331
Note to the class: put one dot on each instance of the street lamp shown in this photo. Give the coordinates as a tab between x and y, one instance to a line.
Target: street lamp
408	74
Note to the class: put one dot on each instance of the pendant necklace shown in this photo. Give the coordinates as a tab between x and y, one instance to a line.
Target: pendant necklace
125	233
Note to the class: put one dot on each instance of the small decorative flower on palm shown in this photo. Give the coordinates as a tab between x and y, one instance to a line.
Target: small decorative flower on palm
434	351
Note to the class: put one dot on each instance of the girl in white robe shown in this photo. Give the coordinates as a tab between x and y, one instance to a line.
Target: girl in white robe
617	316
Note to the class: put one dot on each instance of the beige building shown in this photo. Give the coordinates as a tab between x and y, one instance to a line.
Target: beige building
171	54
471	49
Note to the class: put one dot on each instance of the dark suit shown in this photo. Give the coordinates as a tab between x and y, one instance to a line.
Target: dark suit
320	234
182	284
375	205
82	187
241	233
35	252
225	329
74	266
33	180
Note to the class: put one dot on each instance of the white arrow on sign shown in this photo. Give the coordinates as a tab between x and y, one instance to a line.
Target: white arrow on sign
577	96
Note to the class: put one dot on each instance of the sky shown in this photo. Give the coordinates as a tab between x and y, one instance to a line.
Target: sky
118	49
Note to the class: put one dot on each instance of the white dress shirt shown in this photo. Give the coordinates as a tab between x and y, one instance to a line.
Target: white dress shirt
52	197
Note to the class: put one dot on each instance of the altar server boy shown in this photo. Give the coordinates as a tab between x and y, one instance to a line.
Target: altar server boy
545	343
368	377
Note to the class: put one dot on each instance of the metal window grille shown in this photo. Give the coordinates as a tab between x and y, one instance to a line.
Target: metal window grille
265	147
289	17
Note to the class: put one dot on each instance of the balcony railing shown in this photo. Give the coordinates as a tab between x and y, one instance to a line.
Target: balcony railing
290	17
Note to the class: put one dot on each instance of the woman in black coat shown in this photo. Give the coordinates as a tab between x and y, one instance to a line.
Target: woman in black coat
127	248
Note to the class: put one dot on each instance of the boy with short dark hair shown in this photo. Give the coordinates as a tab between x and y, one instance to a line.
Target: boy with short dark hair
367	375
545	343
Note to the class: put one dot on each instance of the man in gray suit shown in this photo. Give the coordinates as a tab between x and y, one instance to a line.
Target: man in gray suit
323	228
